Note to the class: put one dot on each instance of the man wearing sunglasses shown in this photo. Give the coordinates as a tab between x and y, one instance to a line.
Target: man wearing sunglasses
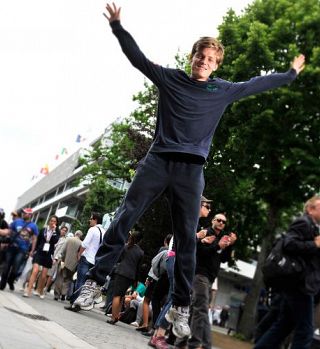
205	209
212	250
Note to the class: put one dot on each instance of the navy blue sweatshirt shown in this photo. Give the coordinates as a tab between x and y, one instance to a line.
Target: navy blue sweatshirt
189	110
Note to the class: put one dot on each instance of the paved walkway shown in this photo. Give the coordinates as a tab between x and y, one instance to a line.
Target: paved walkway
23	327
41	324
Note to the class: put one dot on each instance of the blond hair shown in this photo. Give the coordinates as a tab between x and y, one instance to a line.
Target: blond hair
311	203
208	42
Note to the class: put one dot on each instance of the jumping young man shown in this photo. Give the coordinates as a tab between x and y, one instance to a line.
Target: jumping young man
189	110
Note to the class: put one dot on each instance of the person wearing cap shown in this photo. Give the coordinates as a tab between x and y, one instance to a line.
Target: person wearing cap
27	214
33	232
23	234
87	254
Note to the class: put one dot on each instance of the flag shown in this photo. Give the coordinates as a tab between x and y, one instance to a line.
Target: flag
64	151
45	169
80	139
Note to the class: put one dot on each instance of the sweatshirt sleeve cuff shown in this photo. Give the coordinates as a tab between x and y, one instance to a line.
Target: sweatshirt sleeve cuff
115	25
292	73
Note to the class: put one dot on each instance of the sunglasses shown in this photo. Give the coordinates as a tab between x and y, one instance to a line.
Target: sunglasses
207	207
219	220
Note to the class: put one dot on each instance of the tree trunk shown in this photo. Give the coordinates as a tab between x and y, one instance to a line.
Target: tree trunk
248	318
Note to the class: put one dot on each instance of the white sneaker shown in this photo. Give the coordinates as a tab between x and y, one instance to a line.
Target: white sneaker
169	316
90	294
42	296
26	294
36	293
179	317
135	324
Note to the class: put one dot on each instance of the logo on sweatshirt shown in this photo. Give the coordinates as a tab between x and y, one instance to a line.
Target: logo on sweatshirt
211	87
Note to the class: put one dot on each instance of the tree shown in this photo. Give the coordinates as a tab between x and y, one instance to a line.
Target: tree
264	158
102	197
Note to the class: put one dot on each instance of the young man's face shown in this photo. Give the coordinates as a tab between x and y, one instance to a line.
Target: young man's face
203	64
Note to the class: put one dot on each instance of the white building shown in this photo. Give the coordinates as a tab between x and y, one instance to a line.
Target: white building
59	191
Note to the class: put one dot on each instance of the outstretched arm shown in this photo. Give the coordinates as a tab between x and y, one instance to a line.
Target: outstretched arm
114	12
130	47
298	63
266	82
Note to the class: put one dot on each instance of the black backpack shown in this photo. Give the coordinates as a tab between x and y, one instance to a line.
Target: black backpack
281	269
128	316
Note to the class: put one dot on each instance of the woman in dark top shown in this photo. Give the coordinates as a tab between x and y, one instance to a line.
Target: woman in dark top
47	239
126	273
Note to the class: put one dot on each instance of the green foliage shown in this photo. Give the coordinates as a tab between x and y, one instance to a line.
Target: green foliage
41	223
102	198
239	336
265	151
155	224
264	158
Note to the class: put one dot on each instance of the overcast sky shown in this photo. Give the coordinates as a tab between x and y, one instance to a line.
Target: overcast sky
62	72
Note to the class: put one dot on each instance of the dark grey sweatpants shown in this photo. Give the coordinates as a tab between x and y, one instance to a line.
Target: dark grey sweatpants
183	183
200	324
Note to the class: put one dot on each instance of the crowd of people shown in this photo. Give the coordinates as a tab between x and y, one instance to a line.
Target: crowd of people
60	262
58	256
44	259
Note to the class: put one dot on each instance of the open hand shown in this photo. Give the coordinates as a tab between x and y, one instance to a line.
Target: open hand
298	63
114	12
